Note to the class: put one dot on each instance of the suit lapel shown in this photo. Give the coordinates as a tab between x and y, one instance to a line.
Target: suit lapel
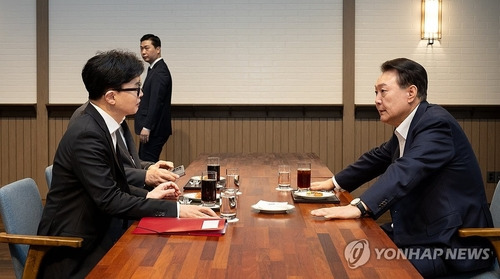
396	153
151	71
422	108
100	121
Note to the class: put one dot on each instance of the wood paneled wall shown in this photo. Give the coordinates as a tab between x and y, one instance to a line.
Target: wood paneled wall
193	136
18	146
238	135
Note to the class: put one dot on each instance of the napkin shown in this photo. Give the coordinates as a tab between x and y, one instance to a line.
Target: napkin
267	205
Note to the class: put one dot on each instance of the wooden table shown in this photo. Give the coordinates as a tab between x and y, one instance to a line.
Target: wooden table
293	245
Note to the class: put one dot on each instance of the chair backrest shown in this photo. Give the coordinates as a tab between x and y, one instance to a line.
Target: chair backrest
21	210
48	175
495	206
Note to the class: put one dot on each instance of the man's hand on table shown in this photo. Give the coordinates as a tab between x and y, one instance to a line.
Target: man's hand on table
194	211
157	174
338	212
167	190
325	185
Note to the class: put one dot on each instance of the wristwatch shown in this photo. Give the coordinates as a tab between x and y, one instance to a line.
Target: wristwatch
357	202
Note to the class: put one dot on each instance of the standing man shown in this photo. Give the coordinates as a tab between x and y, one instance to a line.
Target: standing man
153	119
428	177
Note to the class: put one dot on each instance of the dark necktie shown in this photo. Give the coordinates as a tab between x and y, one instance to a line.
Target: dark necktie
132	151
124	150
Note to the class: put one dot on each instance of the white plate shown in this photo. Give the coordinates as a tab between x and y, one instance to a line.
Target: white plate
288	189
273	209
192	196
309	195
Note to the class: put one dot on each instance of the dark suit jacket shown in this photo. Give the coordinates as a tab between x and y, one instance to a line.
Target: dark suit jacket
433	190
89	194
154	109
135	168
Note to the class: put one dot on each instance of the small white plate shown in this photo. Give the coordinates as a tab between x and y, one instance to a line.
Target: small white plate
310	195
196	196
273	209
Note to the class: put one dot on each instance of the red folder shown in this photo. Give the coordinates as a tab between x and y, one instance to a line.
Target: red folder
181	226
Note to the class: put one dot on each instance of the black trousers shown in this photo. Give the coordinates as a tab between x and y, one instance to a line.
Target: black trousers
150	151
440	267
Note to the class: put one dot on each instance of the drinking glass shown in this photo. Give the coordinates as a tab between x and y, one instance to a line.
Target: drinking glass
208	188
232	178
283	177
303	175
213	164
228	204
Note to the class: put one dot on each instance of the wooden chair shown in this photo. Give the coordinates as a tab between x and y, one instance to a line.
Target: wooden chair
21	211
492	234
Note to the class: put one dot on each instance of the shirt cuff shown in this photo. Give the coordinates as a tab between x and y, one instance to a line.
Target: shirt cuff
336	185
178	209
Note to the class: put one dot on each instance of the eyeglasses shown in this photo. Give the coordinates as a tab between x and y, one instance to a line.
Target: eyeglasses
137	90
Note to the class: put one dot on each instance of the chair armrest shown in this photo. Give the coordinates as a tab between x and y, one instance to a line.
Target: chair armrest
39	245
41	240
492	234
484	232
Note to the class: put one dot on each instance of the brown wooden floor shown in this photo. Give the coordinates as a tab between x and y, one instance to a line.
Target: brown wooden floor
6	268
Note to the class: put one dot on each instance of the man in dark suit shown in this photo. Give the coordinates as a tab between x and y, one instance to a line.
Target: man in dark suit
90	197
153	119
139	173
428	177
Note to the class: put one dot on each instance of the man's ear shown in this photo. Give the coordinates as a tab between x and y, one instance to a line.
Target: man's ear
110	97
412	92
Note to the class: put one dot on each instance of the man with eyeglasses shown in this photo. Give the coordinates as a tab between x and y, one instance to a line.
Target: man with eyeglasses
90	197
153	119
139	173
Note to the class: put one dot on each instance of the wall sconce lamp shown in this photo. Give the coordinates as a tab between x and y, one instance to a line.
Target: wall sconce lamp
431	20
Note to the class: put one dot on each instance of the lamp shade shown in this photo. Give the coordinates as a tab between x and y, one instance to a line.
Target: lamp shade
431	20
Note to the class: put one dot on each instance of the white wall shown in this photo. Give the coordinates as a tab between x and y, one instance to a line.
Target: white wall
463	68
218	51
256	52
17	52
